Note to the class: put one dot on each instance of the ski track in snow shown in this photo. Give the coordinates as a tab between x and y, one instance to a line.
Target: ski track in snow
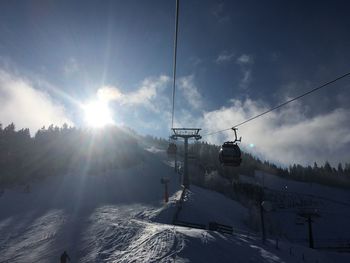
31	239
110	234
127	239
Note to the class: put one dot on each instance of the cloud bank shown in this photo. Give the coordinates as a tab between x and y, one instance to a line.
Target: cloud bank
285	136
146	108
190	92
26	106
151	103
149	92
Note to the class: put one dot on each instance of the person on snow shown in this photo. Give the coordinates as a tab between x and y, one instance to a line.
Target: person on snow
64	257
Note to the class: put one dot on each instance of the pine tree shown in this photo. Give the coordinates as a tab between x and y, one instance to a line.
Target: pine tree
340	168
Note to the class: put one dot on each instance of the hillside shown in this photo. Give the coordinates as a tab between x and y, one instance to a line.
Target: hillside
291	197
120	217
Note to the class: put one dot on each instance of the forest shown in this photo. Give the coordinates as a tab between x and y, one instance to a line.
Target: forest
60	150
205	157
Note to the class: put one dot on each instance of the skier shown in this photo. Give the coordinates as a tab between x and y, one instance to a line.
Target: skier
64	257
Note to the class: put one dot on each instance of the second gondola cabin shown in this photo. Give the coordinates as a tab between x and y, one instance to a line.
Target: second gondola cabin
172	149
230	154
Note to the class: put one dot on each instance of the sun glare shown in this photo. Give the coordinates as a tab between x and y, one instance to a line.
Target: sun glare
97	114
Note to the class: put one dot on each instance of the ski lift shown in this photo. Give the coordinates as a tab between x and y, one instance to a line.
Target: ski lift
230	153
172	149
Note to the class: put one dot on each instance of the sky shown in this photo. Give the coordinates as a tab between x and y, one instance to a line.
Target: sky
235	60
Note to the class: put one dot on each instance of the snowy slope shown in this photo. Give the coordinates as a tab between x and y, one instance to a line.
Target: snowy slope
203	206
277	183
58	212
332	204
120	217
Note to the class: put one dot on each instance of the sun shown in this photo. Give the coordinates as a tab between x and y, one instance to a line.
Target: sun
97	114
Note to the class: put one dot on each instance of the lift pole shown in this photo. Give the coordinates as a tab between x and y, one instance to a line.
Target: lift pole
165	181
175	164
309	215
186	133
262	219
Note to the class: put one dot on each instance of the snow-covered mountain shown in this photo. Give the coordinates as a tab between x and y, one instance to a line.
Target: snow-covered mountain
120	216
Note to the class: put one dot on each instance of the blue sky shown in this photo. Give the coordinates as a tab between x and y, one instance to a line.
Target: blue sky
235	59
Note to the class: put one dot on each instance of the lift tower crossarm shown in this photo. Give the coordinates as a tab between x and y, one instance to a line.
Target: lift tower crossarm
186	132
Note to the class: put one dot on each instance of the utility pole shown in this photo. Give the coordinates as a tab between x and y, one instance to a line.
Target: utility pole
186	133
262	219
165	181
175	164
263	233
309	215
265	206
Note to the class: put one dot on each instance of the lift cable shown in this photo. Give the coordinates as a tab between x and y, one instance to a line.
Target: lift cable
174	65
281	105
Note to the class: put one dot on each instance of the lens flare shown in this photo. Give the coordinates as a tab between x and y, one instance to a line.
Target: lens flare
97	114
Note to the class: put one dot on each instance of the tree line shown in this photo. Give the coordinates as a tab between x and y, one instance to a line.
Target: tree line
59	150
206	157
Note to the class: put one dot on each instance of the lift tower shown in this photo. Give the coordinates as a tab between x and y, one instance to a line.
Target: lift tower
186	133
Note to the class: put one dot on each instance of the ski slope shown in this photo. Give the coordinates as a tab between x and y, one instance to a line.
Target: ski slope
332	204
60	212
120	217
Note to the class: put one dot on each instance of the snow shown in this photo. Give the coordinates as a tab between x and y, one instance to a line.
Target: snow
120	216
222	210
58	212
333	205
277	183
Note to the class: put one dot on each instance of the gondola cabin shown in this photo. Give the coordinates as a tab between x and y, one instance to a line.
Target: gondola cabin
230	154
172	149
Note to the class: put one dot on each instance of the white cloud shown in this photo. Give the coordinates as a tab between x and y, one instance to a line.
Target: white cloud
245	59
149	92
26	106
108	93
224	56
246	79
285	136
190	92
185	118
